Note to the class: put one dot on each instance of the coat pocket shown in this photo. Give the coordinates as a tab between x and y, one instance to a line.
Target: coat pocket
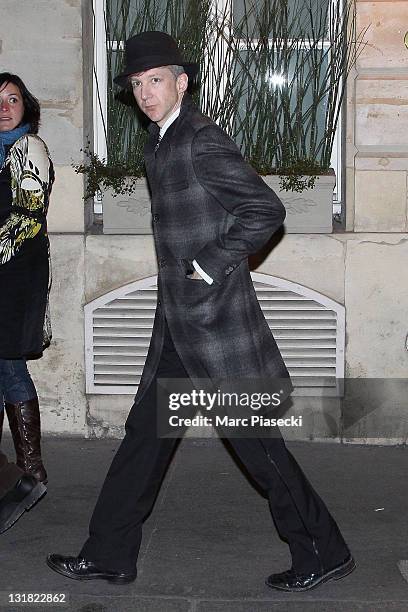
189	270
196	280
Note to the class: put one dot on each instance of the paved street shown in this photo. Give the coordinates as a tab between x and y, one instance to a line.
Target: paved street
210	542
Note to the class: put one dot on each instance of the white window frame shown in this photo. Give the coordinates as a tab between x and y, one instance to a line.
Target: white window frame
100	97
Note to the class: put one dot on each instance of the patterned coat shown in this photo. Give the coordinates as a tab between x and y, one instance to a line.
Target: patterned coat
208	204
27	178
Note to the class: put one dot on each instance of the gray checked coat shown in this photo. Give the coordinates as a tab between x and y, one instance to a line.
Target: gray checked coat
208	204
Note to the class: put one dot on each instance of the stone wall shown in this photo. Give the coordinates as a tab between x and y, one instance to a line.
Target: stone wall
42	42
377	147
363	268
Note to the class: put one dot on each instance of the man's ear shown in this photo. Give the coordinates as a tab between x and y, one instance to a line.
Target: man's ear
182	83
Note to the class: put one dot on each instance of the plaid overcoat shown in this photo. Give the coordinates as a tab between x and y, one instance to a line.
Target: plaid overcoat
208	204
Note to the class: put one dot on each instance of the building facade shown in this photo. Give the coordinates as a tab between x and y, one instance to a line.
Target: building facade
362	267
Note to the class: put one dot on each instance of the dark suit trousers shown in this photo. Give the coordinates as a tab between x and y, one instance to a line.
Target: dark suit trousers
137	470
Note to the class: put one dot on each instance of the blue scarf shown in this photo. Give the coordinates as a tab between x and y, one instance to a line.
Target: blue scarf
9	138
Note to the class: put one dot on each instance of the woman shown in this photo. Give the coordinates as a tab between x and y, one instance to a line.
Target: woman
26	177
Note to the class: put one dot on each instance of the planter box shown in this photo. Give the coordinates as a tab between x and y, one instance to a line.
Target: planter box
309	212
128	214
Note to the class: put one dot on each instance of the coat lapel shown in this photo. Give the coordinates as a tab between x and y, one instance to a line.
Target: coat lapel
155	163
161	157
150	160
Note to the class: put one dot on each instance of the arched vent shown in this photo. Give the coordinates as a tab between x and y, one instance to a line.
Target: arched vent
308	327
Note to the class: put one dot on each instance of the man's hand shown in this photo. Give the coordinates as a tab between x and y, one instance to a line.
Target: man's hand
195	276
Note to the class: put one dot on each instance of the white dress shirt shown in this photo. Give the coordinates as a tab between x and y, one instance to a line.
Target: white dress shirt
168	122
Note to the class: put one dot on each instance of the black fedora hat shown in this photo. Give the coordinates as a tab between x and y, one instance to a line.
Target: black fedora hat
150	50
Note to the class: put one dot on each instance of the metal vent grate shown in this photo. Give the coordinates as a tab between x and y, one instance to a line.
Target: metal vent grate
308	327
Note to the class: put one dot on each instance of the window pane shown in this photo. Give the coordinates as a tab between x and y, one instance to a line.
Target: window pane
128	17
288	111
278	18
268	90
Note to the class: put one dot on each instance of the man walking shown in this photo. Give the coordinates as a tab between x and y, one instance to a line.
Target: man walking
210	211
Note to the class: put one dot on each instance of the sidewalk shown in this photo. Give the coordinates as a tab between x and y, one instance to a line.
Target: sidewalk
210	542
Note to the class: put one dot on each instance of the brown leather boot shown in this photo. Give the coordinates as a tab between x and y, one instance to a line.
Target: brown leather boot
25	427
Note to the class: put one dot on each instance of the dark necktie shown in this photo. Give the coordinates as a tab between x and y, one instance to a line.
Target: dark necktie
157	143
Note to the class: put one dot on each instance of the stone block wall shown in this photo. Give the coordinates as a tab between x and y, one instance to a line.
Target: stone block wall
377	147
42	42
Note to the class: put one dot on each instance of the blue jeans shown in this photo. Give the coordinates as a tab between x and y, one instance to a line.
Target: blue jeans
16	384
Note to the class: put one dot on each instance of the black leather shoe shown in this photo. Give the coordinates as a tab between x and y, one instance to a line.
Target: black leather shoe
292	581
79	568
22	497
